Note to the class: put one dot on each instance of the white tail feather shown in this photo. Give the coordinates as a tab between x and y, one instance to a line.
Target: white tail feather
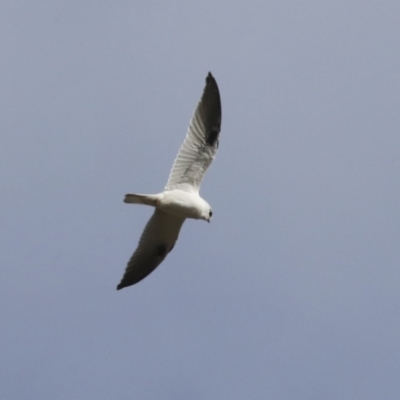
147	199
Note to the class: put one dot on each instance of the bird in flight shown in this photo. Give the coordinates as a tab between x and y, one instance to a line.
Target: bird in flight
180	198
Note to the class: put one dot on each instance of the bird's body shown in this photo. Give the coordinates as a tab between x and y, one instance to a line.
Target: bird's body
176	201
180	199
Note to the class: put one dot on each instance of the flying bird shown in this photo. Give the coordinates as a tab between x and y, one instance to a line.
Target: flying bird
180	198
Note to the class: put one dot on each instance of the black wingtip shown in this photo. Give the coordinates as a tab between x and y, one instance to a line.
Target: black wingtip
210	78
122	285
211	111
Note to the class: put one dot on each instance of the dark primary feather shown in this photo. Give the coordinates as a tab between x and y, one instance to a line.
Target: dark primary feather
210	108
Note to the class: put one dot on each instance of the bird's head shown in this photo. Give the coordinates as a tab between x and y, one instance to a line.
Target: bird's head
207	213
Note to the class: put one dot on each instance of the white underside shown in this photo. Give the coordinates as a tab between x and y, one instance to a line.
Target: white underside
182	203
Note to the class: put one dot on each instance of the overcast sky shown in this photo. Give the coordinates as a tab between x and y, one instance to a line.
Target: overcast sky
292	292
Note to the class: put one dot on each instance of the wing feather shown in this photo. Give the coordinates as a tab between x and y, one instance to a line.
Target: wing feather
201	142
157	240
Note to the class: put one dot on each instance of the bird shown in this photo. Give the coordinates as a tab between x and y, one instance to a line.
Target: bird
180	198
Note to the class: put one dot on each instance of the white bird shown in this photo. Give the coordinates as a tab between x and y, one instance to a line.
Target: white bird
180	198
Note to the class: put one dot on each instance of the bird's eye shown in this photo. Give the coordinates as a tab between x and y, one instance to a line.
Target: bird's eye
210	213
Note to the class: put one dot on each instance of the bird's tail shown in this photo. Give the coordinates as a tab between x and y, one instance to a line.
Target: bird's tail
147	199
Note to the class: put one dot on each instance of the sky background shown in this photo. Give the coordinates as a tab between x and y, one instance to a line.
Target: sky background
292	292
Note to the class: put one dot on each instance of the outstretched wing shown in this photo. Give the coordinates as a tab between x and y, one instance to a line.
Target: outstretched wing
201	142
157	240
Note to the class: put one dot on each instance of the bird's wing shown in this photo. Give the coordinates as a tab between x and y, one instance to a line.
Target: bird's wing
157	240
201	142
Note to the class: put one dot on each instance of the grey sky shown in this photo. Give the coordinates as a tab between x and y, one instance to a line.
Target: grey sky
292	292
